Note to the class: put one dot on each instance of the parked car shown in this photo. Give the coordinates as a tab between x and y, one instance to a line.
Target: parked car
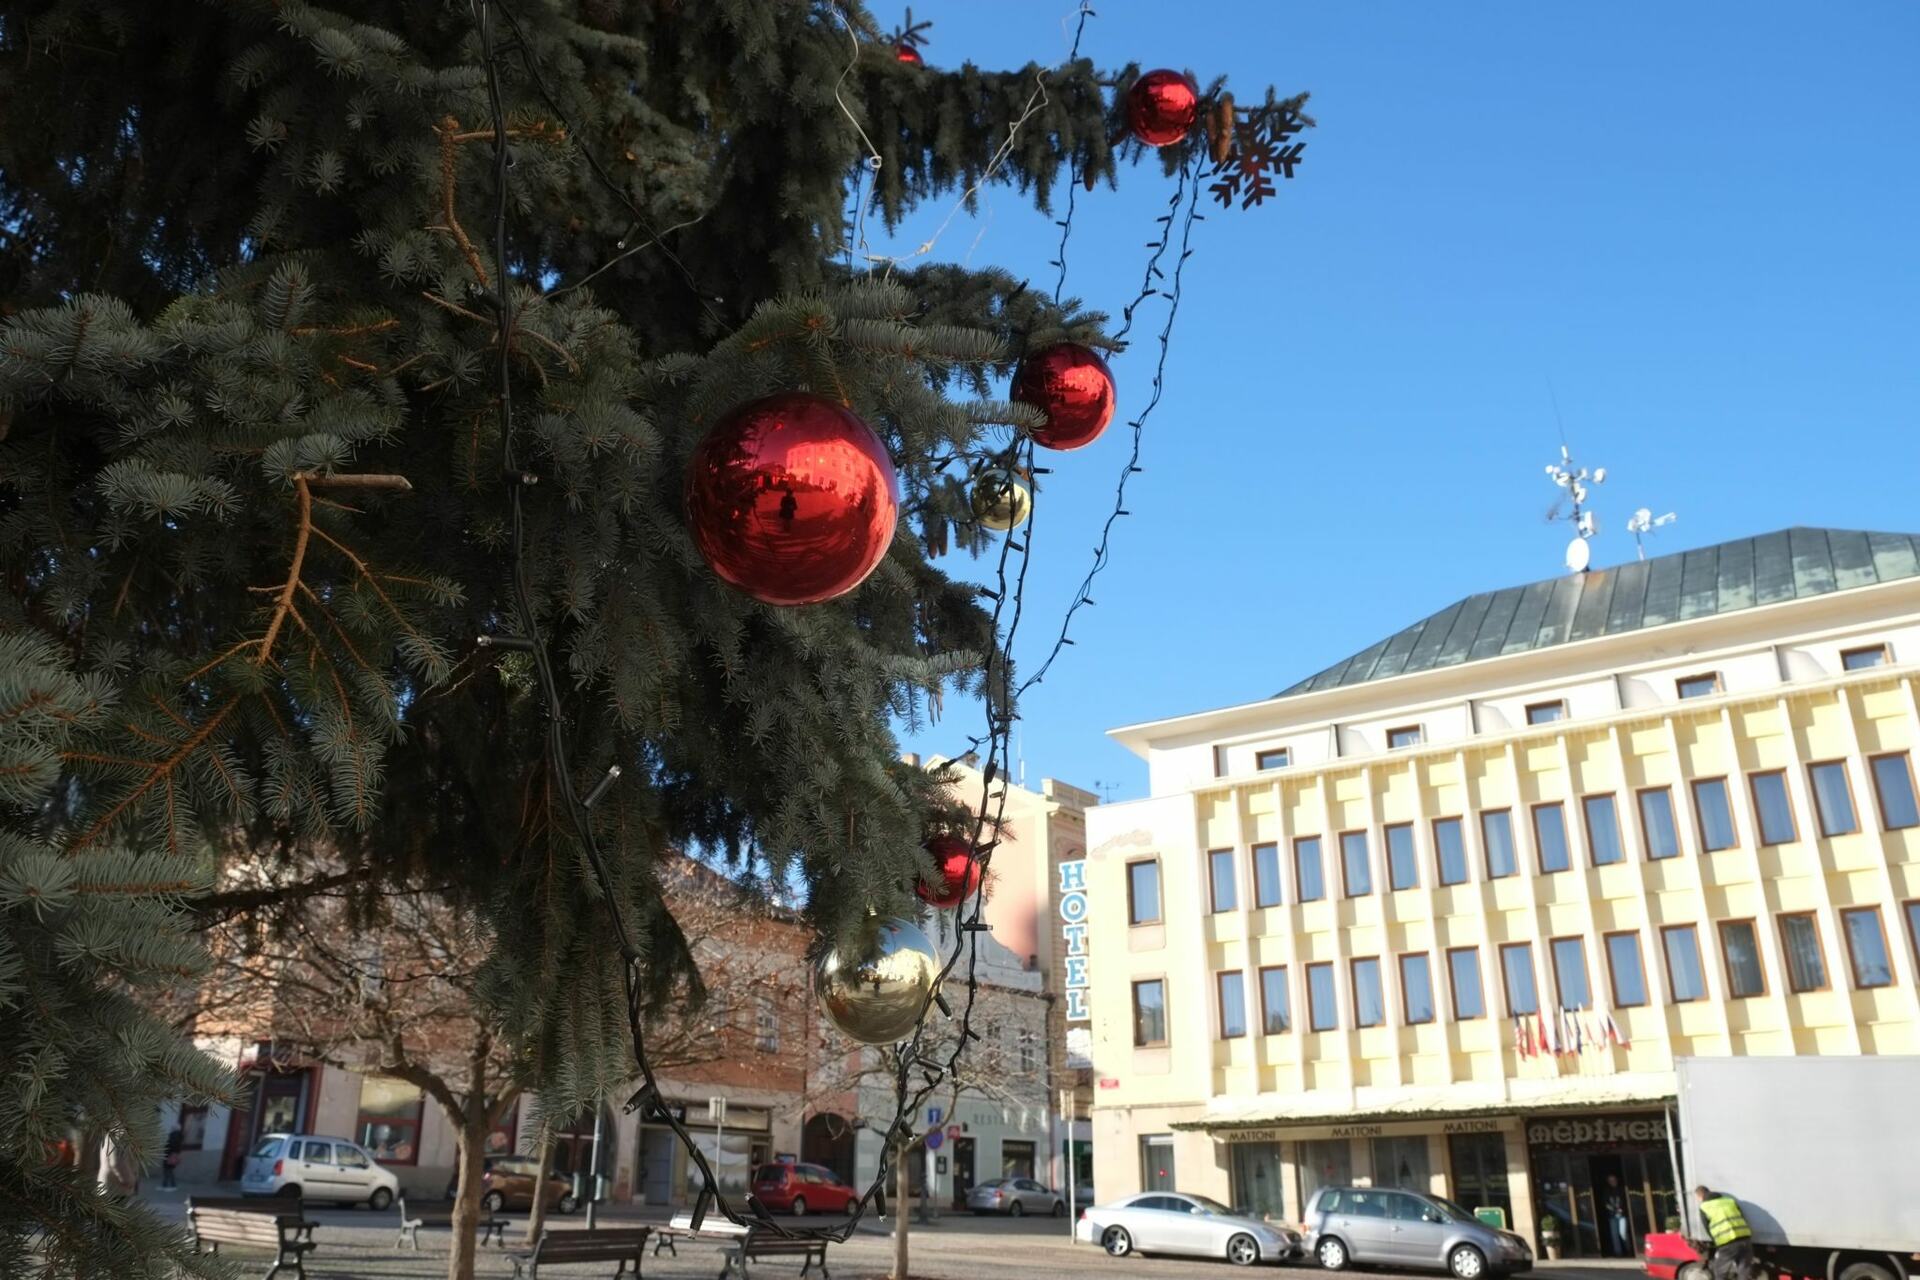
1671	1256
1380	1225
299	1164
506	1182
801	1189
1015	1197
1171	1222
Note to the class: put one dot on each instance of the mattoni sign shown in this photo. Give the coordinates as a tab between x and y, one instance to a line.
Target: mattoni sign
1073	929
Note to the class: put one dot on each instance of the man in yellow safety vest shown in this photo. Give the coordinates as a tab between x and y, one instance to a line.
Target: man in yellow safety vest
1727	1228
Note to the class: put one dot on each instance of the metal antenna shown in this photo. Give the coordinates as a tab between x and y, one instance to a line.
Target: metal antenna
1572	506
1644	522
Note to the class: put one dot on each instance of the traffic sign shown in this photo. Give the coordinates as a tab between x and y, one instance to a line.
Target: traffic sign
933	1115
934	1140
953	1131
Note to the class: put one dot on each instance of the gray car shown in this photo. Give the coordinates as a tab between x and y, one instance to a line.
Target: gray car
1015	1197
1379	1226
1173	1222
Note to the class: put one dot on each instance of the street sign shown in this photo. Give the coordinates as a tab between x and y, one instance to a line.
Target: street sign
941	1167
934	1140
933	1115
954	1131
716	1110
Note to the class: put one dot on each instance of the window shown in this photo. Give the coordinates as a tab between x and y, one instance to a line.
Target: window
1629	980
1546	712
1322	1014
1156	1162
1150	1011
1700	686
1276	1015
1516	971
1570	973
192	1122
1771	808
350	1157
1226	896
1715	811
1416	988
1893	787
389	1124
1450	849
1740	945
1272	758
1867	947
1496	833
1028	1058
766	1025
1143	892
1369	1001
1686	980
1402	871
1463	976
1356	869
1833	798
1873	655
1656	823
1550	837
1232	988
1912	911
1407	735
1016	1161
1603	830
1309	878
1219	762
1800	940
1266	875
316	1152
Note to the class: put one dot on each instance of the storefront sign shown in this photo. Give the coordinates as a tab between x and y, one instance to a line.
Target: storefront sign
1073	930
1597	1131
1384	1129
1484	1124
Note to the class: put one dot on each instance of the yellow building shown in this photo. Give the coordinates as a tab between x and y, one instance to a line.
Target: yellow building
1673	799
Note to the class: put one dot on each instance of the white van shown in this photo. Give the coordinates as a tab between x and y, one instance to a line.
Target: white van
296	1164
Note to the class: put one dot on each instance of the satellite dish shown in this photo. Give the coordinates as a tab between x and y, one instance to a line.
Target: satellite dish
1579	555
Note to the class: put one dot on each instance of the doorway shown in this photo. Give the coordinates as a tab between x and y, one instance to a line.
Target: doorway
1605	1202
962	1171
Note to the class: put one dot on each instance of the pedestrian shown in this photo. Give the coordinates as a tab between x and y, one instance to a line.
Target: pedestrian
1619	1230
119	1175
1732	1238
170	1156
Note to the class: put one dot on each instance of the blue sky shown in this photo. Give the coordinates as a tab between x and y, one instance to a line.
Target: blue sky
1695	226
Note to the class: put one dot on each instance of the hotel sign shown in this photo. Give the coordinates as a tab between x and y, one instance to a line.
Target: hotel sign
1073	930
1599	1131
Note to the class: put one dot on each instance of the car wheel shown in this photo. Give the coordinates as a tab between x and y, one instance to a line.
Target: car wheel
1865	1271
567	1202
799	1206
1016	1209
1467	1263
1331	1253
290	1190
1059	1208
1692	1271
493	1202
380	1198
1243	1251
1116	1242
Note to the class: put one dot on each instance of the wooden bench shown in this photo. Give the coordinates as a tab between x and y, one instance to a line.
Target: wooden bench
258	1225
292	1208
756	1248
563	1248
489	1225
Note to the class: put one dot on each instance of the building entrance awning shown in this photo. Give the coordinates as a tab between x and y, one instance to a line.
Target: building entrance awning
1435	1102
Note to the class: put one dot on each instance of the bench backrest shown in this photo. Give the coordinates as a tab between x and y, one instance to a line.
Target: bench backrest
610	1245
282	1205
774	1247
238	1226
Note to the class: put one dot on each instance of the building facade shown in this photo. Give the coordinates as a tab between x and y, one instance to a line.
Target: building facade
1444	915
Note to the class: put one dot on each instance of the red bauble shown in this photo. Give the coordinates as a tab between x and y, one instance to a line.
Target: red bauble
1073	387
958	869
1161	107
792	499
908	54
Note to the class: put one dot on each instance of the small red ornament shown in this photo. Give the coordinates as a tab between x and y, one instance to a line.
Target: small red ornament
958	869
792	499
1161	107
908	54
1072	385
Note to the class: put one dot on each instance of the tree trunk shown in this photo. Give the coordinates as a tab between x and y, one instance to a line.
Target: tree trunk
900	1216
472	1140
537	1218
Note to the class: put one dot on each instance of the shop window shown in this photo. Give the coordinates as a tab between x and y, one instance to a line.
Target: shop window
1715	812
1322	1013
1310	881
1407	735
1402	1162
1402	870
1275	1014
1740	947
1450	850
1479	1163
1657	827
1546	712
1463	977
1570	973
389	1125
1516	973
1800	941
1603	830
1356	868
1867	947
1496	834
1893	789
1266	875
1257	1180
1323	1162
1016	1159
1873	655
1628	980
1272	758
192	1122
1416	988
1686	979
1143	892
1833	798
1704	685
1550	837
1156	1162
1225	892
1150	1012
1230	985
1369	1000
1772	809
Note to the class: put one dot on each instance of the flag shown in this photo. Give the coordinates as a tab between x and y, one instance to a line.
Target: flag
1619	1036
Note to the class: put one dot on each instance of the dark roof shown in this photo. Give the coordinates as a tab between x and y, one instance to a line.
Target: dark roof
1790	565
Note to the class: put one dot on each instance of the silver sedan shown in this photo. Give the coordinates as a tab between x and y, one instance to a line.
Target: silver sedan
1015	1197
1169	1222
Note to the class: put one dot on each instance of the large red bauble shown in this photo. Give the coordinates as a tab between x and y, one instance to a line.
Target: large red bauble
909	55
1161	107
792	499
958	869
1073	387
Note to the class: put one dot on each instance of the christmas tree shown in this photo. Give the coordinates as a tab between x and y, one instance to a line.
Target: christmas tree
253	512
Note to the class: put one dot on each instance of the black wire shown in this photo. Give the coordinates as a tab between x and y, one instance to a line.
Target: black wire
1073	168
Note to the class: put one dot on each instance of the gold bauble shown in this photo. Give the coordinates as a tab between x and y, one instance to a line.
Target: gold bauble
876	990
999	500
